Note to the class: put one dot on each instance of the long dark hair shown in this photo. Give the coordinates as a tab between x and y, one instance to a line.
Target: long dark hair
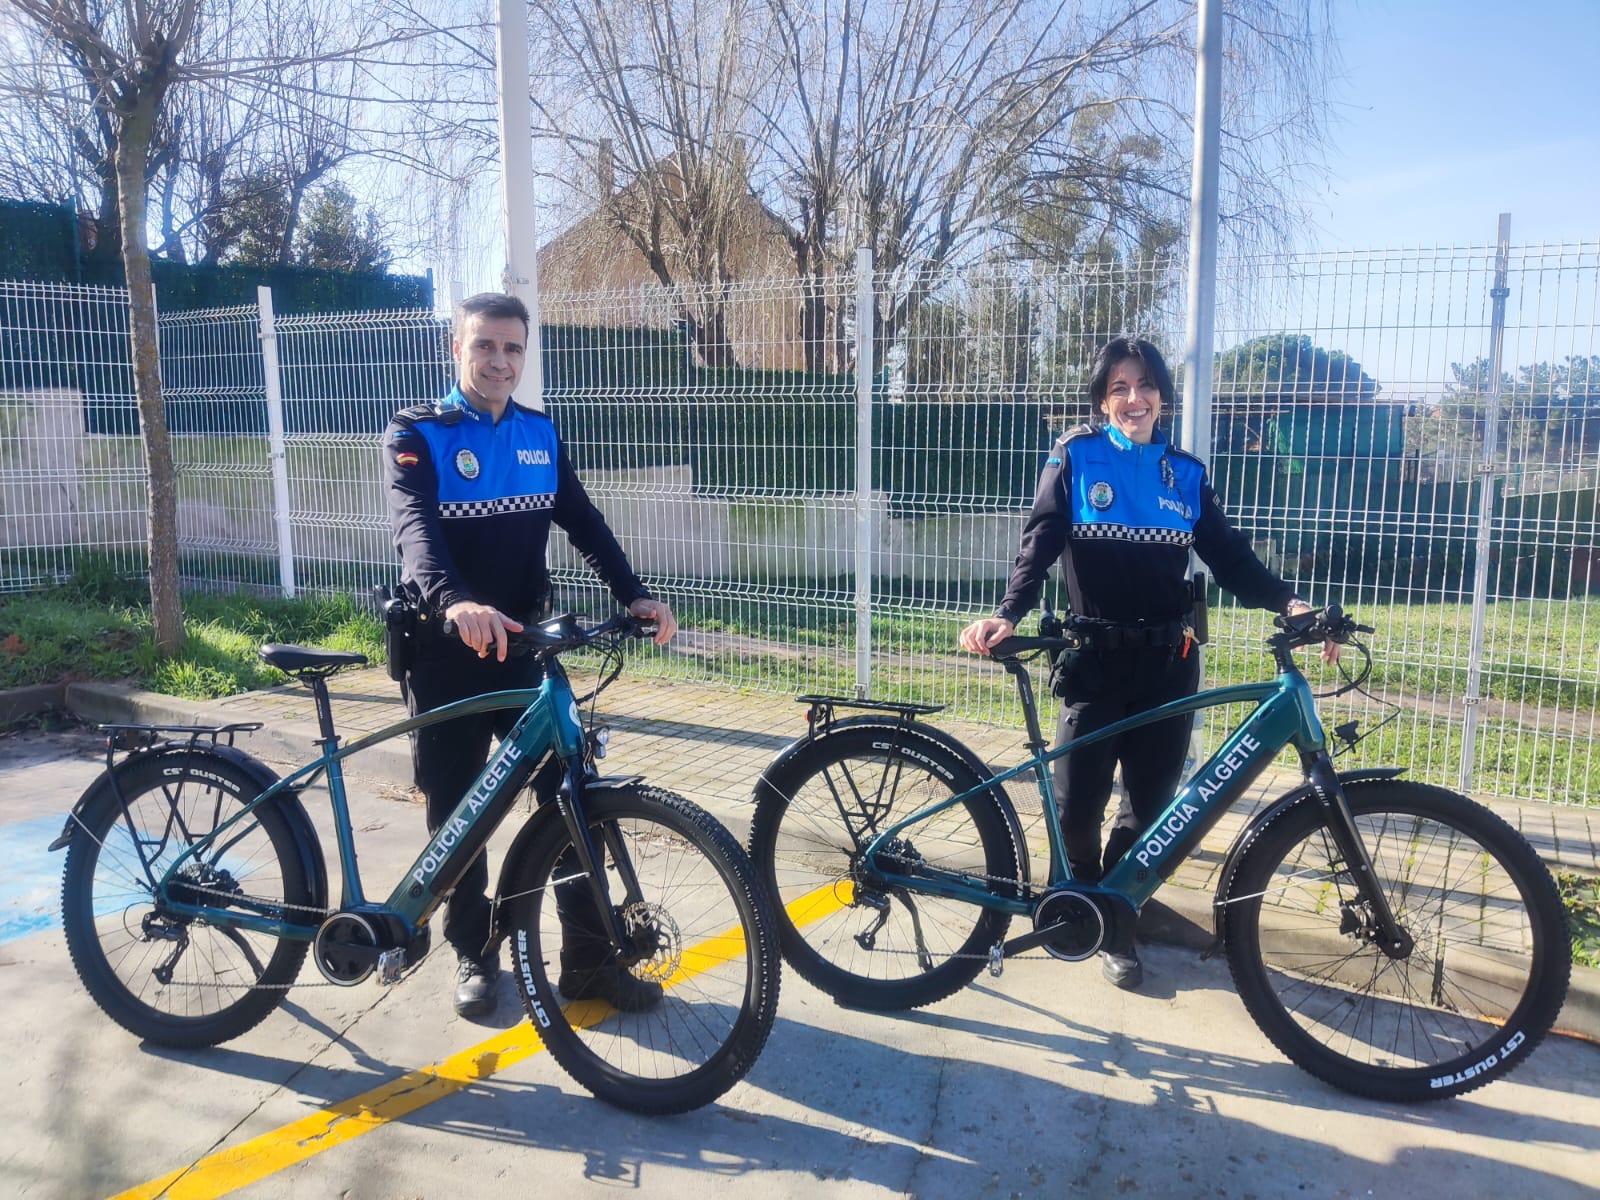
1118	350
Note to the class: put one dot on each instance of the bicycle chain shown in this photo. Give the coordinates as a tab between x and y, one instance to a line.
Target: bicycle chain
1020	886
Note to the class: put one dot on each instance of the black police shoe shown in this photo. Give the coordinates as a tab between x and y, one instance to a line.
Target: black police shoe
1122	970
616	985
475	985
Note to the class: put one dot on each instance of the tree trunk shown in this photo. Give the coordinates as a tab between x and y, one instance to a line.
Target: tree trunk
133	192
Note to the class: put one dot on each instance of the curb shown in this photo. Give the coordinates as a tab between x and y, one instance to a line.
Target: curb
281	743
17	703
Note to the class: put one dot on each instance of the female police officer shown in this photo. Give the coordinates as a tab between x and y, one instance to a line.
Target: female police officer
1121	507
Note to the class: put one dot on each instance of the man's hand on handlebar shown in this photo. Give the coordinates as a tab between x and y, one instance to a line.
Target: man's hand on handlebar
982	636
659	612
482	627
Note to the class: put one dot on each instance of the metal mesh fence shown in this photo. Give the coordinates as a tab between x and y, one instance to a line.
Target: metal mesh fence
818	530
63	365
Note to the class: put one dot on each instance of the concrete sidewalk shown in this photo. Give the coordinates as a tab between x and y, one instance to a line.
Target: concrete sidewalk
711	743
1044	1082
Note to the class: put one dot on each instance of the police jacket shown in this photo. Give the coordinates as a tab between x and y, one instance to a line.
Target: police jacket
1122	518
470	506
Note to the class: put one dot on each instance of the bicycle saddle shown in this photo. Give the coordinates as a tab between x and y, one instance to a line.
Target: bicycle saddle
292	660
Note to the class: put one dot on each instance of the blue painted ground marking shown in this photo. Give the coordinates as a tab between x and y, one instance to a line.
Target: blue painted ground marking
30	877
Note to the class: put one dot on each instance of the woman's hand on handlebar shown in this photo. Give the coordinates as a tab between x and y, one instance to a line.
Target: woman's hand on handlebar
661	613
981	636
482	627
1330	649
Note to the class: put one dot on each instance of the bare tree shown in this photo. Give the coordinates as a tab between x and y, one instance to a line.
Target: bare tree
672	86
54	145
130	55
934	130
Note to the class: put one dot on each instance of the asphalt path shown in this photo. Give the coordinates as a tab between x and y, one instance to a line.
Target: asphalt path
1041	1083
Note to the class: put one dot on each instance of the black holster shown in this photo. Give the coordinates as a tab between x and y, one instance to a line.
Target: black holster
399	630
1075	672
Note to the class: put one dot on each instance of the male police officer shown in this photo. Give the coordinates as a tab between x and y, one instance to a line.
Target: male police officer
473	485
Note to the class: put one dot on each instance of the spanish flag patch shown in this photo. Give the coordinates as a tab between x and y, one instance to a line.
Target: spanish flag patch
406	459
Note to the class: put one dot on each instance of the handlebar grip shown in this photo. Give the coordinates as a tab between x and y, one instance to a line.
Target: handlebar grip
1021	645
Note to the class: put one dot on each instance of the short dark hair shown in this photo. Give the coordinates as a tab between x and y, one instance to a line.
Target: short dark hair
493	305
1119	350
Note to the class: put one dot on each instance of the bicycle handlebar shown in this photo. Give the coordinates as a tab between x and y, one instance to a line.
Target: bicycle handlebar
1330	624
1312	628
561	633
1013	646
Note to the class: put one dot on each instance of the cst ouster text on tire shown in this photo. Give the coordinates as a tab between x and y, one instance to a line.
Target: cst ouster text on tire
1489	962
704	935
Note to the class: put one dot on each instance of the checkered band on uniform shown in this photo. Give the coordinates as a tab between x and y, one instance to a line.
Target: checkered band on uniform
1112	531
488	508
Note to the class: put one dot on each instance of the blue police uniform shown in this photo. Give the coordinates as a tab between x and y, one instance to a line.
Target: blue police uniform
1121	519
471	501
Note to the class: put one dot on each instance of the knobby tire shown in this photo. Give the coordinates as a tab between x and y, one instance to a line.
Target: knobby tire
714	952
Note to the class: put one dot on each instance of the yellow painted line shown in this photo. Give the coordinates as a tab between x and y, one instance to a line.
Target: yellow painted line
823	902
239	1166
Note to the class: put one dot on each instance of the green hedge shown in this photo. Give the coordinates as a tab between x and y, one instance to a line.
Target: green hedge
40	242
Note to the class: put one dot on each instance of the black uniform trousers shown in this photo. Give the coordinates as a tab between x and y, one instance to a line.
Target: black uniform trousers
1104	687
448	757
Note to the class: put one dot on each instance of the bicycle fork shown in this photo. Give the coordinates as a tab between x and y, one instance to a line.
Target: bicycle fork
1387	933
591	862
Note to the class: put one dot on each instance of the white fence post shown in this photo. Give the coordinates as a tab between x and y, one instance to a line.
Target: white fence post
275	443
1486	500
866	329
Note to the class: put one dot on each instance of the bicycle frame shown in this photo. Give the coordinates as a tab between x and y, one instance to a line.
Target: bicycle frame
1285	714
549	723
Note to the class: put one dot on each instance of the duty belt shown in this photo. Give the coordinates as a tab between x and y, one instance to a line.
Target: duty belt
1128	635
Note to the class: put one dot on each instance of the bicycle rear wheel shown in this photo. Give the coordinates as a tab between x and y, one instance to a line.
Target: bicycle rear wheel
705	932
1483	984
868	946
179	981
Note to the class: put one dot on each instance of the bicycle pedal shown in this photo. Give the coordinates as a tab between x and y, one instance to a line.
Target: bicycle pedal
391	965
997	959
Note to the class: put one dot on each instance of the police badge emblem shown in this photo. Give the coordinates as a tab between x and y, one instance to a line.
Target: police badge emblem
1101	495
467	464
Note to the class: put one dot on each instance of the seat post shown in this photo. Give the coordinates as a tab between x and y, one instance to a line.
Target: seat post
319	692
1030	710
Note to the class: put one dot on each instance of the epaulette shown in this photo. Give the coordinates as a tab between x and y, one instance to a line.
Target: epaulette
1180	452
431	411
1078	431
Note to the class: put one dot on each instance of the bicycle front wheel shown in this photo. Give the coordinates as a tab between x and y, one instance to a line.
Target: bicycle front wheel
704	947
181	981
883	948
1482	985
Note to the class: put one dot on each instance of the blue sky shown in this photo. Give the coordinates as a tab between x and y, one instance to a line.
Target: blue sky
1452	111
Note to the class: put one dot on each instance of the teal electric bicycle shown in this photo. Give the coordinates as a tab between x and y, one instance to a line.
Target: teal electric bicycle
195	886
1394	939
